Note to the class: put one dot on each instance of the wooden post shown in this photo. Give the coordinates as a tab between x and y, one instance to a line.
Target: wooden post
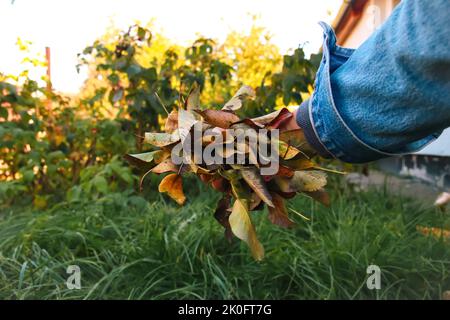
49	81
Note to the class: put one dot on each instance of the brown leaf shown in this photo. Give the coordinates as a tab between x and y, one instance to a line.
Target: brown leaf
255	202
287	195
165	166
205	177
242	227
222	214
250	123
172	184
281	117
256	182
284	171
273	118
284	184
278	214
171	122
235	103
220	184
319	195
240	190
218	118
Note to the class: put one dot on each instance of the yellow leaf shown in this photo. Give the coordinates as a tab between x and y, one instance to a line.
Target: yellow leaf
437	233
242	227
172	184
286	151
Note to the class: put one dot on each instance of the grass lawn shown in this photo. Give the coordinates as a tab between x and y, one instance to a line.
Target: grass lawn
130	248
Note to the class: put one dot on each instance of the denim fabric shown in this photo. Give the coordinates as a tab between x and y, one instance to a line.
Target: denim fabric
391	96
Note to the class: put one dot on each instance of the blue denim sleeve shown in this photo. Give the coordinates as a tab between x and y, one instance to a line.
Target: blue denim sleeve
391	96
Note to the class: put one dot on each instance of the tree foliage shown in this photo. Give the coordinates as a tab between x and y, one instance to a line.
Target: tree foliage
55	147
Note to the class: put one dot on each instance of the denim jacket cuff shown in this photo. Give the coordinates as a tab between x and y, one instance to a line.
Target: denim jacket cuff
304	122
325	127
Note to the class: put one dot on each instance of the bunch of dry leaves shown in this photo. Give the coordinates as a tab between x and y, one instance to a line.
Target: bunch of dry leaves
244	188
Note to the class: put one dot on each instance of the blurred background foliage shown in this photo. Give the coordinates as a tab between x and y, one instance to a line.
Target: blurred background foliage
55	147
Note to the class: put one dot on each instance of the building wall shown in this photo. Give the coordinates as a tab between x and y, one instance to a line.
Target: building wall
375	12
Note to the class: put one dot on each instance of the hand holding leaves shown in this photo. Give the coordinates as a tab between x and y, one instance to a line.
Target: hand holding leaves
244	187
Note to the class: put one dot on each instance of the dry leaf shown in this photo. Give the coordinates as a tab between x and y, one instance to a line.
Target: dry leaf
299	164
171	122
243	182
256	182
162	155
222	215
286	151
285	171
280	118
308	180
165	166
295	138
220	184
193	100
172	184
437	233
141	160
161	139
268	118
278	213
235	103
218	118
185	122
242	227
320	196
255	203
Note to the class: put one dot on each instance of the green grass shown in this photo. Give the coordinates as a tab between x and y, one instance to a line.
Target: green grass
133	249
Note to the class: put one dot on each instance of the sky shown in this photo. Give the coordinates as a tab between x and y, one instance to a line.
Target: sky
68	26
